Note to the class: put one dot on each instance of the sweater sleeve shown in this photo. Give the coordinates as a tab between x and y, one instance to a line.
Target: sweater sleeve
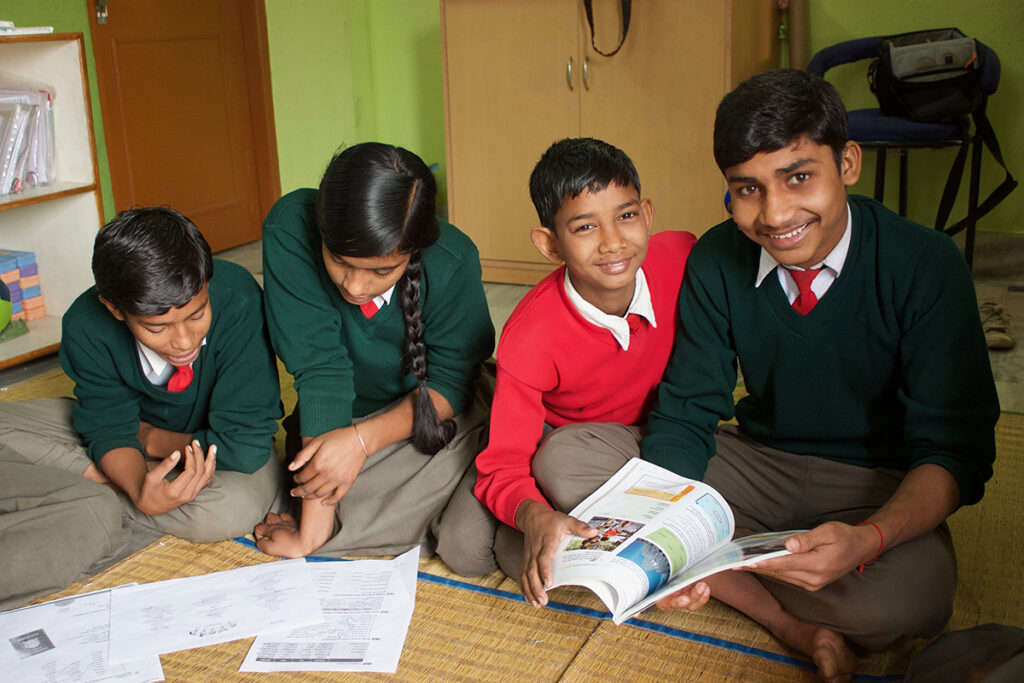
504	478
947	389
458	331
245	403
696	391
303	321
106	413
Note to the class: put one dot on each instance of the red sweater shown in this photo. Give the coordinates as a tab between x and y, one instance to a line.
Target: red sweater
554	366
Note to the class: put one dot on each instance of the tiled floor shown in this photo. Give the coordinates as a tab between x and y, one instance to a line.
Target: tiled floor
1007	290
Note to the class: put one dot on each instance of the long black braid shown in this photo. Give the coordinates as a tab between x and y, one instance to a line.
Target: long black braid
430	434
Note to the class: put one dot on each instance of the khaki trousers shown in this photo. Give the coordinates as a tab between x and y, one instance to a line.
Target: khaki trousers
571	462
42	432
400	494
907	592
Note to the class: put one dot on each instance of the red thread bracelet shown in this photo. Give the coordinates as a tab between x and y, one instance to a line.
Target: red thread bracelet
881	547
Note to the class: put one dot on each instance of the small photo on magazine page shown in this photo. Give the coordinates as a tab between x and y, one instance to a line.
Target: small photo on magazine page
612	533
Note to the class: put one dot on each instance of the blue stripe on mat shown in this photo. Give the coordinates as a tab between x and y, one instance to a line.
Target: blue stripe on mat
597	614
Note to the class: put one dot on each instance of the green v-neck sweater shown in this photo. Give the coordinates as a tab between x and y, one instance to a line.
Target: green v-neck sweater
890	369
346	365
233	401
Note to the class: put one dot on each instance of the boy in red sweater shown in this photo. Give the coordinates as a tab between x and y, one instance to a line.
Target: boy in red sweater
578	364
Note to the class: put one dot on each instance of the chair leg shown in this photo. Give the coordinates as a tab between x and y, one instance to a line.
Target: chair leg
904	174
880	174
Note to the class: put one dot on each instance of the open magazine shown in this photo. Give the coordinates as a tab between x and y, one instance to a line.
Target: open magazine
660	532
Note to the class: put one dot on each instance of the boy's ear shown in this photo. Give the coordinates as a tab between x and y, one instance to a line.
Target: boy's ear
112	308
850	163
648	209
547	243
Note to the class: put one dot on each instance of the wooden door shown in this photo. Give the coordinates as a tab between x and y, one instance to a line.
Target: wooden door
185	92
508	96
656	98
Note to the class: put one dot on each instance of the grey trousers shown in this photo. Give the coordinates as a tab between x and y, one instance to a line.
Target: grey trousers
907	592
571	462
41	431
56	527
400	494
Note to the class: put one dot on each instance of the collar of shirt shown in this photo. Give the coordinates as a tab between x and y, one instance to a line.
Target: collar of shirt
617	325
156	369
831	265
384	299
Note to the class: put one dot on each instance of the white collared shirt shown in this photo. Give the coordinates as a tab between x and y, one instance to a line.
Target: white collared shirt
154	367
617	325
384	299
831	266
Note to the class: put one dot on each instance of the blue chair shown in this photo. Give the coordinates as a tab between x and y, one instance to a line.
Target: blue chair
874	130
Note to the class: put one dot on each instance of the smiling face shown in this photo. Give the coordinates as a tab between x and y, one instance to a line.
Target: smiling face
792	202
177	335
360	279
602	238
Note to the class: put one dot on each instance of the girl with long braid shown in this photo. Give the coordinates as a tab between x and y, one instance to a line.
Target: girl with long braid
377	309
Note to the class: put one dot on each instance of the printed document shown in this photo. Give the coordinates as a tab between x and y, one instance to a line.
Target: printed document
180	614
367	606
66	640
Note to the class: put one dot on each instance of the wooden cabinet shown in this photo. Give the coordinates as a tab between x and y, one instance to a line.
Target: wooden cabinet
57	221
520	74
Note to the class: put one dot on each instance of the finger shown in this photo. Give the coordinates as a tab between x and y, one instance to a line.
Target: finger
316	487
191	462
164	467
211	464
339	493
304	455
529	582
582	529
545	564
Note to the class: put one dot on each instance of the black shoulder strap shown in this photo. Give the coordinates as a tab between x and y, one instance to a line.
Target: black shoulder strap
982	131
626	10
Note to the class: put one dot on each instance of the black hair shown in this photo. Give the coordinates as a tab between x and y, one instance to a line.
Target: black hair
772	110
149	260
375	199
572	165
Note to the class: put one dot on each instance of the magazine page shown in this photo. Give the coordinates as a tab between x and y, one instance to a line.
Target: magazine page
653	525
739	553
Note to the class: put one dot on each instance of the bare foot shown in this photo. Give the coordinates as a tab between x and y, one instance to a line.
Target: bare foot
834	658
279	535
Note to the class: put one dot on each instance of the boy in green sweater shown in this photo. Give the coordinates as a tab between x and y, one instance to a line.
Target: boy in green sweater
871	408
176	383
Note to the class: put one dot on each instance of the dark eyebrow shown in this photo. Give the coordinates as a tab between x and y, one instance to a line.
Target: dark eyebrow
799	163
586	216
794	166
341	259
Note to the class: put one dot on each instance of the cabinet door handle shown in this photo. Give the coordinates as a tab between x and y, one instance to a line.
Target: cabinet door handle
586	73
101	12
568	73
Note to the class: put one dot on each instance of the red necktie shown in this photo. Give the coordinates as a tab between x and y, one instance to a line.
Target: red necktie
369	309
804	301
181	378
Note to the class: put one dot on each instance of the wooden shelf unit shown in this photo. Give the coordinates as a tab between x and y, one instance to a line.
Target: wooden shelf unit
58	221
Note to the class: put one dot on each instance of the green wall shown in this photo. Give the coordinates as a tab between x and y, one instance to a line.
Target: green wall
998	24
353	71
68	16
347	71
